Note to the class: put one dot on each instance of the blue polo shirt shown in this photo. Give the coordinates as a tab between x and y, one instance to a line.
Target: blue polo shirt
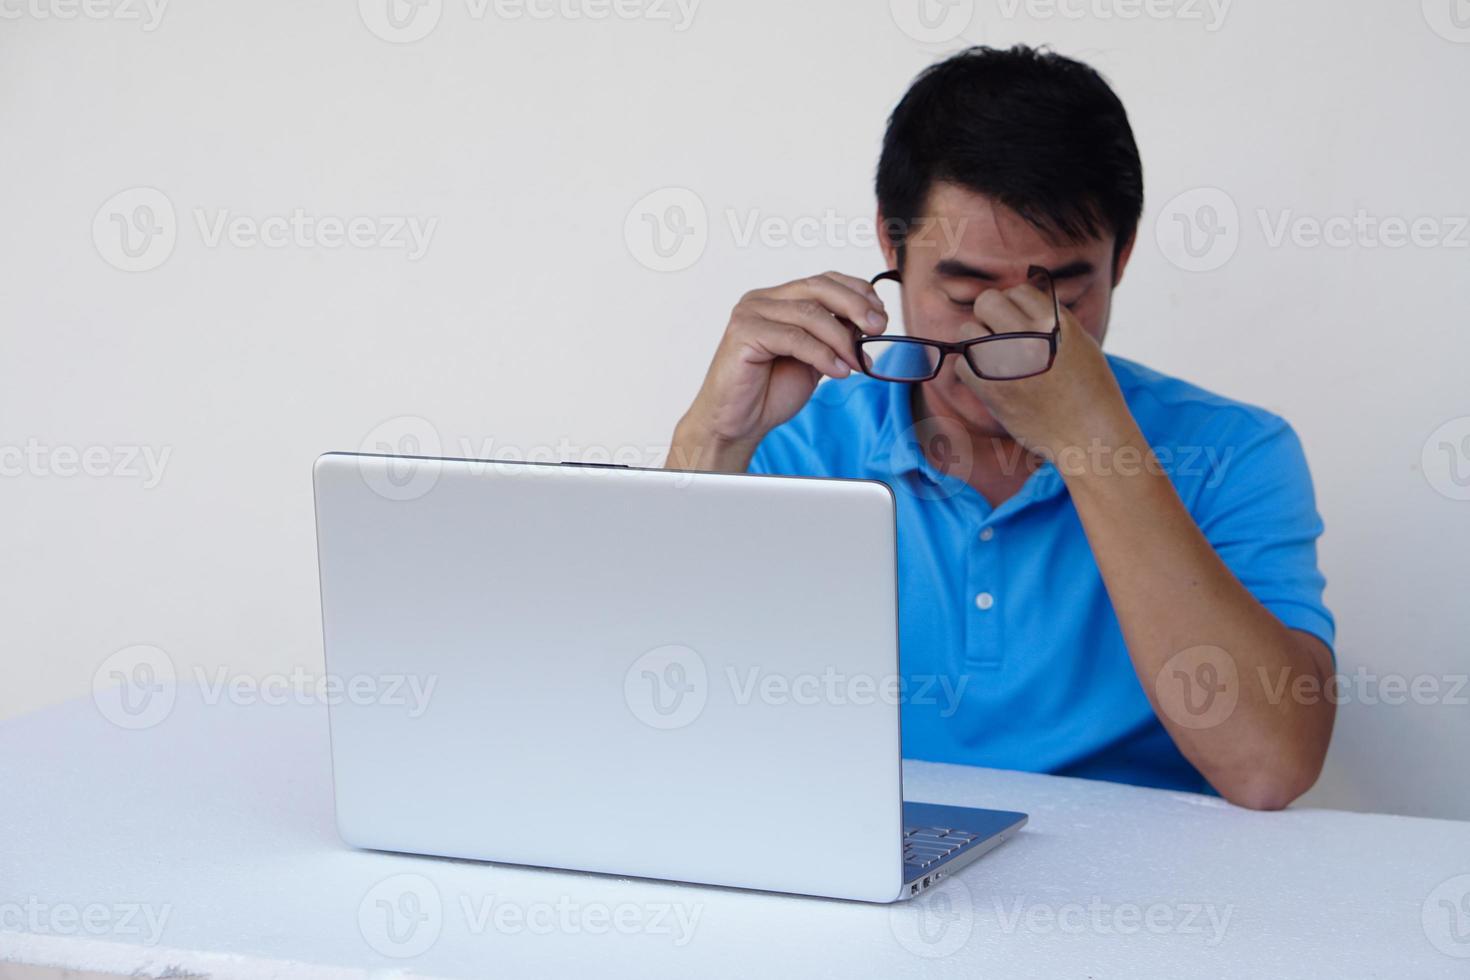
1011	654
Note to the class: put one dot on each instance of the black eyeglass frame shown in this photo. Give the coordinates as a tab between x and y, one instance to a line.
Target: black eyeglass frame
963	348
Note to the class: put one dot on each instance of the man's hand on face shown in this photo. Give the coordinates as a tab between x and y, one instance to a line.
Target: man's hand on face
1073	404
778	344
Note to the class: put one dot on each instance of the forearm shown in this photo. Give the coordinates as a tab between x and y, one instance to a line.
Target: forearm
1174	599
695	448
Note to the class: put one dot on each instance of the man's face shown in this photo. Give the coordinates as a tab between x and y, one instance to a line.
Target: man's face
967	244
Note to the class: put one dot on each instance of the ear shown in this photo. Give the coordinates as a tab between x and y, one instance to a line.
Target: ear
885	242
1124	254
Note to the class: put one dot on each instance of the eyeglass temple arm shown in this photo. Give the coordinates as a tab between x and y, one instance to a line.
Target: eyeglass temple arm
1042	272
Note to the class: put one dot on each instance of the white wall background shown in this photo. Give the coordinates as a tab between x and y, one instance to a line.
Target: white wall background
530	322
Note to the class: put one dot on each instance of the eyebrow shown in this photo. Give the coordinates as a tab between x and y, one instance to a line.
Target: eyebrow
953	268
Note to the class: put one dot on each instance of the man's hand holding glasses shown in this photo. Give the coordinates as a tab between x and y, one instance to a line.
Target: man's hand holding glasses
1027	359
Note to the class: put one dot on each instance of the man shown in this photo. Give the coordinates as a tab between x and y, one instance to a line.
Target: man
1114	569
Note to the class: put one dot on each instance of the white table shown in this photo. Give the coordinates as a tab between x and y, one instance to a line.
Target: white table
205	844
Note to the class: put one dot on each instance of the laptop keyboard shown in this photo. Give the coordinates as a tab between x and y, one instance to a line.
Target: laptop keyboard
924	847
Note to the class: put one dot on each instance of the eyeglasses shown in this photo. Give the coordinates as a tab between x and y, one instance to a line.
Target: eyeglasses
998	357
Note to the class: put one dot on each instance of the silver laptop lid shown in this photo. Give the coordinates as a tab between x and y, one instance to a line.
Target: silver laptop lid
640	672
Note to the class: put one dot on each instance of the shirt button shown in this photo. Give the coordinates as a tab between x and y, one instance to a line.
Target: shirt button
985	600
987	533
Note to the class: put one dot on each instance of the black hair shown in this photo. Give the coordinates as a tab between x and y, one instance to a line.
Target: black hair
1040	133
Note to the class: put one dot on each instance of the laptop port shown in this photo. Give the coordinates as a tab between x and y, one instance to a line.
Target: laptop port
926	881
914	889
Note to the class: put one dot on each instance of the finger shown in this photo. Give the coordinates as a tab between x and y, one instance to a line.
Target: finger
1034	301
999	312
773	339
1038	304
862	308
813	317
1046	312
860	286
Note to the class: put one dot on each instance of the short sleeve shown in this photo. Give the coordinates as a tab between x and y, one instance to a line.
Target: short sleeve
786	452
763	460
1262	520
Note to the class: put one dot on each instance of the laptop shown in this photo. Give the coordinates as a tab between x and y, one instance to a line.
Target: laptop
649	673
